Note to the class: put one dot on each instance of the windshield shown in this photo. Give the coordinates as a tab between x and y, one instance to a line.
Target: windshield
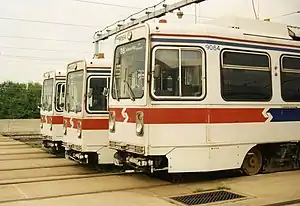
74	91
47	94
129	70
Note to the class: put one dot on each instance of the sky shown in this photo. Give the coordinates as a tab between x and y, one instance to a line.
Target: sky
42	35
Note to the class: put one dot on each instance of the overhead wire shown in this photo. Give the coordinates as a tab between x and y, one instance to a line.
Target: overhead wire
33	57
44	62
130	7
107	4
46	22
43	39
47	50
62	24
286	14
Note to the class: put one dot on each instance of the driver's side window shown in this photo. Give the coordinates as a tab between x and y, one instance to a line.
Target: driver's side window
97	91
60	96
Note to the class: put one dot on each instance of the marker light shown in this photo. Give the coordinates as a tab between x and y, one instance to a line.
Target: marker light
139	123
112	121
100	55
162	21
50	121
41	124
79	126
65	126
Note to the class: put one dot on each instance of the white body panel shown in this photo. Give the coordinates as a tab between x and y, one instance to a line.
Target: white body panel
51	120
95	138
210	146
90	141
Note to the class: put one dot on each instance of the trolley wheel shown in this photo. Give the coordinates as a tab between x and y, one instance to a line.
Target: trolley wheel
252	163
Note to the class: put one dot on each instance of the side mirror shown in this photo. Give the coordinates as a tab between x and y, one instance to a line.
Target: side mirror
90	93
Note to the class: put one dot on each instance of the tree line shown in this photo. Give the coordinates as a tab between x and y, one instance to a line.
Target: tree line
19	100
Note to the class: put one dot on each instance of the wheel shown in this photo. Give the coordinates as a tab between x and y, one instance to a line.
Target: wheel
252	163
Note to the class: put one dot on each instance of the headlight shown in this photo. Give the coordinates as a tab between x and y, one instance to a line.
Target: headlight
139	123
65	126
50	121
79	129
112	121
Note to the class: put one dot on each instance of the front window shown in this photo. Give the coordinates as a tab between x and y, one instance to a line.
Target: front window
74	91
129	70
178	73
97	94
47	95
59	96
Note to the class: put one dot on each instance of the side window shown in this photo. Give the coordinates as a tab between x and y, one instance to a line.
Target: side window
60	97
178	73
245	76
166	72
191	73
97	94
290	78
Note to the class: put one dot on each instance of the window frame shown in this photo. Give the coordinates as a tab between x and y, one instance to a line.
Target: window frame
287	71
56	93
179	48
108	79
112	79
67	88
43	95
245	68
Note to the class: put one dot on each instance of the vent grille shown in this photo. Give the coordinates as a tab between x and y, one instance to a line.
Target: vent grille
207	197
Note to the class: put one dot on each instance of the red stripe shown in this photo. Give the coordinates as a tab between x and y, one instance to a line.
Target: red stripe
43	119
226	38
55	119
88	124
193	115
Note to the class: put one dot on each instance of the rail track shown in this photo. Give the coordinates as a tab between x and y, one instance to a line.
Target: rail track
32	174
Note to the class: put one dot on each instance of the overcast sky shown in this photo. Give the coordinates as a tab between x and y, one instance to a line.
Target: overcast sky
52	45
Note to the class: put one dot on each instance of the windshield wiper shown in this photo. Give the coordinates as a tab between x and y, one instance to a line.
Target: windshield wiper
115	89
131	94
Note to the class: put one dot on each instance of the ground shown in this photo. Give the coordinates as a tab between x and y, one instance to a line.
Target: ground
30	176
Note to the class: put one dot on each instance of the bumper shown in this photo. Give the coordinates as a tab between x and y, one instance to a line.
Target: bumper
140	163
127	147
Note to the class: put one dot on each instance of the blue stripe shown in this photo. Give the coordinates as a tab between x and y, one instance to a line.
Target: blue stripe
285	114
203	41
98	71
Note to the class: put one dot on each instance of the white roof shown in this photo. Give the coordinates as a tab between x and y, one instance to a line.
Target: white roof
253	26
54	73
99	62
95	62
234	27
